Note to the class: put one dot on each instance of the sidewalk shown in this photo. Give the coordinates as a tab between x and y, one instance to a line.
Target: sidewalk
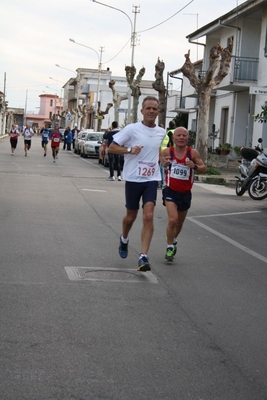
227	177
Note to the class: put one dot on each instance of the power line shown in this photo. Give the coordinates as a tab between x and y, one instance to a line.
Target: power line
163	22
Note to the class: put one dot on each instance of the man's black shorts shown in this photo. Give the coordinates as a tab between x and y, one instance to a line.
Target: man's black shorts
28	142
181	199
44	143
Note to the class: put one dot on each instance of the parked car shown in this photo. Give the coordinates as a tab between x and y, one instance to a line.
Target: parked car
91	144
77	146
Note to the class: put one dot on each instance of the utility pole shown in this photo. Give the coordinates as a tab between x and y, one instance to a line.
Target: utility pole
3	110
98	83
136	10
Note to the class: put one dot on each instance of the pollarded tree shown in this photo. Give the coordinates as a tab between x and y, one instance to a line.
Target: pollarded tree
134	85
101	114
159	86
220	60
117	98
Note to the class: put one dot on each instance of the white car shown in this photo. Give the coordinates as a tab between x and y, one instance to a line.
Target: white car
90	145
78	141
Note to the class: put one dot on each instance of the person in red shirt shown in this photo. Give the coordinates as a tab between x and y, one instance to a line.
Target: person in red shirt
183	162
13	134
55	142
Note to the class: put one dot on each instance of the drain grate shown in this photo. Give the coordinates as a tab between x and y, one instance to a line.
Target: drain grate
109	274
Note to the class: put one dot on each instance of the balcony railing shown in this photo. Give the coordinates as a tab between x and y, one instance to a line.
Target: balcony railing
245	68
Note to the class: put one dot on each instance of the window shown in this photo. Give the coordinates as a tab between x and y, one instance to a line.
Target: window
50	114
51	103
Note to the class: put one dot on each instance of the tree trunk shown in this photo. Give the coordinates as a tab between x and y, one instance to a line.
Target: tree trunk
117	99
101	114
221	58
203	124
135	87
159	86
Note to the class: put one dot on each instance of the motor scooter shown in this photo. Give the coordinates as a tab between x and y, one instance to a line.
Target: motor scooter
253	172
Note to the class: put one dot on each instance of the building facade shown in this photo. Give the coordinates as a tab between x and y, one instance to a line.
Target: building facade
243	91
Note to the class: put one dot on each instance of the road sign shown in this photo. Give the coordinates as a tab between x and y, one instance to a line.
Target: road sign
69	116
122	110
258	90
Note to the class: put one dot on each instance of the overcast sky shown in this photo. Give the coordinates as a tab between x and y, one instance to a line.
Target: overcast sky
34	36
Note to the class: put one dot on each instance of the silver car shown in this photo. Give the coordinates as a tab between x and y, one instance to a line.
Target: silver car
77	146
91	143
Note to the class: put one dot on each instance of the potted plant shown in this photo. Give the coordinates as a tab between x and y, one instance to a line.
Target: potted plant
226	148
237	150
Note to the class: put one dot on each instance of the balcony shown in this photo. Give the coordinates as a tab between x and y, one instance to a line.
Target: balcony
245	69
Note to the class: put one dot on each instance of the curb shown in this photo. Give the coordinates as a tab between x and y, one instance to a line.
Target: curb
215	179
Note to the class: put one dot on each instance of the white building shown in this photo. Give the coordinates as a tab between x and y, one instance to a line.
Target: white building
85	88
243	92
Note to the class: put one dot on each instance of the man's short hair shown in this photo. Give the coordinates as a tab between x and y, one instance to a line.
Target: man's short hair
114	124
149	98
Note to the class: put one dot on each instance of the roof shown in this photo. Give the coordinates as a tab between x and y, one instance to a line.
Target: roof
250	5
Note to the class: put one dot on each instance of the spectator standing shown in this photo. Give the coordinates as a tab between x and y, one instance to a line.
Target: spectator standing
65	137
140	143
164	145
75	132
13	134
113	159
170	131
28	134
69	140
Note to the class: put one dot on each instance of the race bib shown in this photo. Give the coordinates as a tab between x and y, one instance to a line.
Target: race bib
180	171
56	140
146	169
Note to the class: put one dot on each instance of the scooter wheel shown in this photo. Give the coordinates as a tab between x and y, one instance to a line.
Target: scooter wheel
239	189
258	190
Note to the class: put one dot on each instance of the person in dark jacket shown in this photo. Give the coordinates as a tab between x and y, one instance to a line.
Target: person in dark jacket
69	140
113	158
65	137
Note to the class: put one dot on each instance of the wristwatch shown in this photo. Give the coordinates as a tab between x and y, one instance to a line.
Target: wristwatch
129	149
195	167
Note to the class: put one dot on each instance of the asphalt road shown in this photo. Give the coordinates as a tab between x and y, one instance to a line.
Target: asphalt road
78	322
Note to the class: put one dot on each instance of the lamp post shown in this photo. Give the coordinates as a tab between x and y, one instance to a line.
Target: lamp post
99	56
136	9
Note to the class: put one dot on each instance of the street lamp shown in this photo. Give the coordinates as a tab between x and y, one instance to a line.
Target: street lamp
136	9
99	66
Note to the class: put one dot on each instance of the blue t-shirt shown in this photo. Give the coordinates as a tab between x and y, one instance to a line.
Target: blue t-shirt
45	134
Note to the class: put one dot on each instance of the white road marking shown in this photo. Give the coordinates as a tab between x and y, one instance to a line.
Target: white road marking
95	190
227	239
225	214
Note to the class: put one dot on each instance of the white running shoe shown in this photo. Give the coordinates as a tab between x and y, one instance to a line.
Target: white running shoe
111	178
119	178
